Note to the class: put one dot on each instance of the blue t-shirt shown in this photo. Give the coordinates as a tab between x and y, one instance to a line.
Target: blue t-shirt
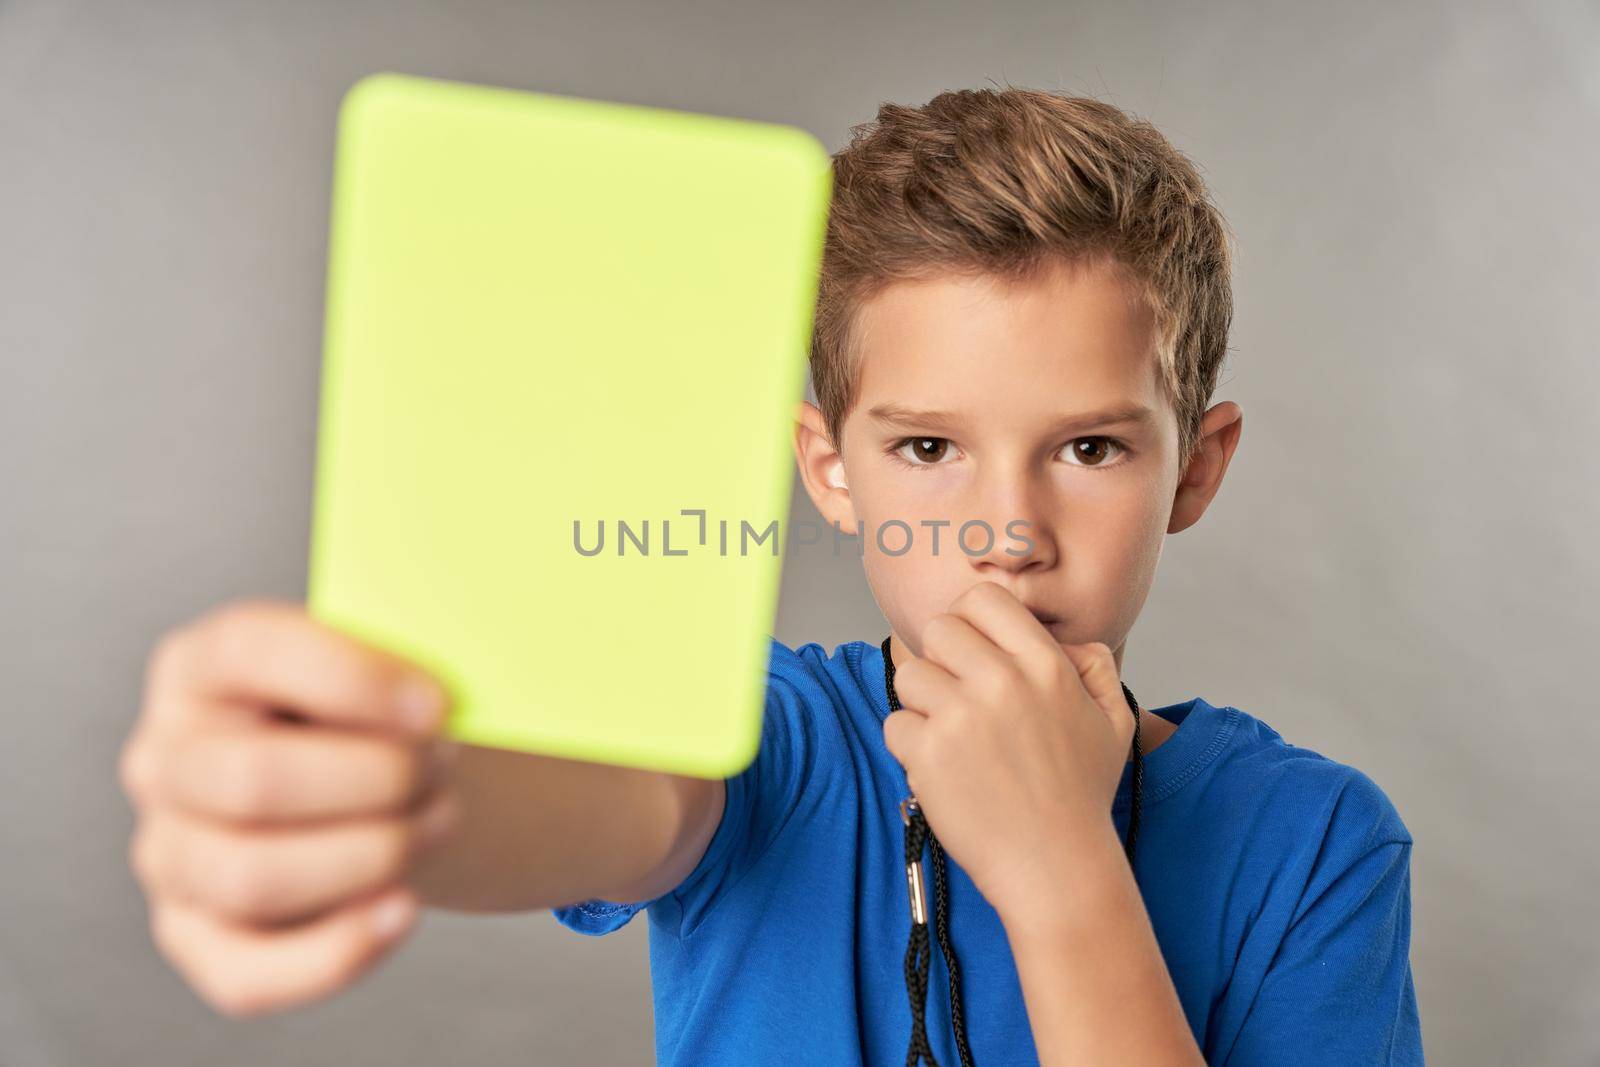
1277	881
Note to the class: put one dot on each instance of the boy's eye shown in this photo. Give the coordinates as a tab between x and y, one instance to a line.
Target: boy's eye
922	451
1095	455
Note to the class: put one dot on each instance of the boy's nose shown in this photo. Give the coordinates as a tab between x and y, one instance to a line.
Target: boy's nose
1019	543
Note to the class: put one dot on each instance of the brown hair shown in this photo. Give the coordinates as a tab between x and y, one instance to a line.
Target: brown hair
1000	182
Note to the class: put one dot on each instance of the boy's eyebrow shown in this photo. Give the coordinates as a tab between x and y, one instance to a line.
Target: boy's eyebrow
1117	414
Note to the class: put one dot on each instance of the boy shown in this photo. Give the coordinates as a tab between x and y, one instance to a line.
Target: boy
1024	306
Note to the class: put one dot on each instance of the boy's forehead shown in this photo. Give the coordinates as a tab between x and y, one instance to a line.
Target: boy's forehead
1078	337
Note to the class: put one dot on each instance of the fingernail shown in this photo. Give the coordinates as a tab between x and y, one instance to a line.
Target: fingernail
436	823
393	915
420	701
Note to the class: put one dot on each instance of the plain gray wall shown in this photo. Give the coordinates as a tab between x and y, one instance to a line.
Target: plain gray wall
1394	573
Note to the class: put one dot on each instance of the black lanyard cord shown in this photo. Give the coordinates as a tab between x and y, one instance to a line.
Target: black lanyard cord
917	958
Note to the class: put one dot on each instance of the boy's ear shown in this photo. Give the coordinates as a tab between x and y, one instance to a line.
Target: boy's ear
822	468
1198	484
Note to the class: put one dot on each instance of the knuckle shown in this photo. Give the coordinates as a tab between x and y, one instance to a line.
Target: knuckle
142	856
234	631
244	610
1035	660
908	678
240	883
230	996
232	636
1056	668
134	771
936	632
176	941
893	733
223	982
167	656
345	960
1008	671
352	675
251	786
164	935
947	732
382	853
232	1006
995	681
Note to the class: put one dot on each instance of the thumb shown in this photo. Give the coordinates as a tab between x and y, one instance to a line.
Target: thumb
1097	670
277	655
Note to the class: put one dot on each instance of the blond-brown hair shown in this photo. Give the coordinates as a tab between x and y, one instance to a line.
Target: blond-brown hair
1003	181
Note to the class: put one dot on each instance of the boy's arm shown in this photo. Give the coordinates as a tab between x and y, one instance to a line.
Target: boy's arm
537	832
1093	977
1338	990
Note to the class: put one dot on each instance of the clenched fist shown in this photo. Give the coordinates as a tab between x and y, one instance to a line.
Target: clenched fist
285	777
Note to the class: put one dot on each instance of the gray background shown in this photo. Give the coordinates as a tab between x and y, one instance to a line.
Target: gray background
1392	574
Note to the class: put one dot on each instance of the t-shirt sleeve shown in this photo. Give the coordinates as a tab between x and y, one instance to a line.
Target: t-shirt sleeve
759	803
1339	990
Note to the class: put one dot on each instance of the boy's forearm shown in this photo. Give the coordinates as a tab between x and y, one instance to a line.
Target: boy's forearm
1093	978
538	832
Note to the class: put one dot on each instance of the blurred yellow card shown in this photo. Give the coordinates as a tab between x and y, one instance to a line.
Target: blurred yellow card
564	343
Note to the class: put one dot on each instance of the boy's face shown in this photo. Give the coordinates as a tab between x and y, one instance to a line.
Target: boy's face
969	395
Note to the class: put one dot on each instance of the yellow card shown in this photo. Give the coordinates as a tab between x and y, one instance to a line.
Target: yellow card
564	343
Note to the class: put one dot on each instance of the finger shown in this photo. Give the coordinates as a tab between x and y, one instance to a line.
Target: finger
960	648
273	772
1097	669
902	736
274	655
244	971
925	687
281	876
995	612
